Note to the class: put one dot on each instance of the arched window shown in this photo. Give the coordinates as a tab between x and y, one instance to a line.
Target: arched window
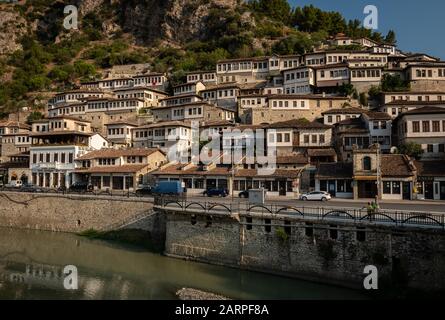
367	163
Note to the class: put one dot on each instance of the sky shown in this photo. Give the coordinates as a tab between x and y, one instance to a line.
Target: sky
419	25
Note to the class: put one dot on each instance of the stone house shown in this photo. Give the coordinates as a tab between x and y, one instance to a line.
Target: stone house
123	169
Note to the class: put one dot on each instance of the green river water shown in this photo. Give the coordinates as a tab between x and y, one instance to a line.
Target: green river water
32	262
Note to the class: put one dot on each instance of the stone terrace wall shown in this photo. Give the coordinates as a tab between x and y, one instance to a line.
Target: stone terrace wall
73	213
322	252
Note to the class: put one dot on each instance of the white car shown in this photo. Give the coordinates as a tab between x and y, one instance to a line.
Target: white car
316	196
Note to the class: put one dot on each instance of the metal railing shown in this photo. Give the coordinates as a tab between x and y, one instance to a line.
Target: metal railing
109	193
398	218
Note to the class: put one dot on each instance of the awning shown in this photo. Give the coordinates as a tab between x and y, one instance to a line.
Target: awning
365	178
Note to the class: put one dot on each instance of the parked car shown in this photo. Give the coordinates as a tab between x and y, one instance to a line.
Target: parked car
168	188
144	190
81	187
316	196
29	187
244	194
15	184
216	192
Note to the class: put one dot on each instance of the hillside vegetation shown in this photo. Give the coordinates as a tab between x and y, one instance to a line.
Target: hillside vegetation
174	36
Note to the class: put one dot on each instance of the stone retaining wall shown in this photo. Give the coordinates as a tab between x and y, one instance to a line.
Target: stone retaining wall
68	213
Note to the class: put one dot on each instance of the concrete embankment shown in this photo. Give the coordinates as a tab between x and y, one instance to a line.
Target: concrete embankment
72	213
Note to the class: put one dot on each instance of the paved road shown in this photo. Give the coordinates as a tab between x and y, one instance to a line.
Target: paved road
337	203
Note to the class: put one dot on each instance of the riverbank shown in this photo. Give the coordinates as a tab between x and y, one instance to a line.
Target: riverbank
194	294
134	237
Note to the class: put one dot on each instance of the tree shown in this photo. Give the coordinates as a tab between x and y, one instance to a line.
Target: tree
297	43
391	37
33	116
363	99
346	90
374	93
279	10
411	149
391	83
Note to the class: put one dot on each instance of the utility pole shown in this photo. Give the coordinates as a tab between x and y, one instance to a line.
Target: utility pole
379	175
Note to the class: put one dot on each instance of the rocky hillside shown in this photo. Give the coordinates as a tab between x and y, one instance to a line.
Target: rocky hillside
38	56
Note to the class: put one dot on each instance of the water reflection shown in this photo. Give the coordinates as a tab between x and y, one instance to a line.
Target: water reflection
31	267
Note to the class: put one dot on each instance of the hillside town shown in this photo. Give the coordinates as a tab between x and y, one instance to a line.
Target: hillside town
130	128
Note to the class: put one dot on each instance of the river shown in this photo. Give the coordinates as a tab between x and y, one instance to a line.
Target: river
32	262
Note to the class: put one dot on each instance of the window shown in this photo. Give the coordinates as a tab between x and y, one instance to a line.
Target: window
367	163
333	232
249	223
425	126
287	137
436	126
396	187
416	126
267	226
329	119
441	148
387	187
430	148
306	138
361	234
314	138
309	230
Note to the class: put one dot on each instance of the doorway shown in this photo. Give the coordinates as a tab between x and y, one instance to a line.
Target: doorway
442	190
332	188
406	191
367	189
429	190
282	187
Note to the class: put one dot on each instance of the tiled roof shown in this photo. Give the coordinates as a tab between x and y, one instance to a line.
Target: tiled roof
425	110
378	115
396	165
336	170
129	123
59	133
345	111
329	152
10	123
300	97
177	169
116	153
278	173
162	124
414	103
430	168
298	123
290	159
130	168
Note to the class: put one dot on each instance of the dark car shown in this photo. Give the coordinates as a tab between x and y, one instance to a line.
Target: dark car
216	193
244	194
144	190
81	187
28	187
